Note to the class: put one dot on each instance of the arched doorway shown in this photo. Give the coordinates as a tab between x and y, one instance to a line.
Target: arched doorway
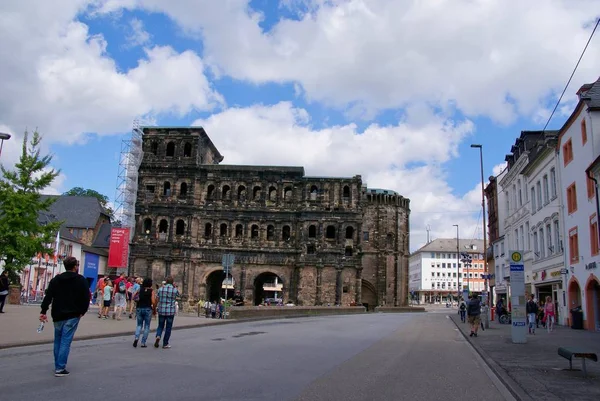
268	287
368	295
592	295
214	285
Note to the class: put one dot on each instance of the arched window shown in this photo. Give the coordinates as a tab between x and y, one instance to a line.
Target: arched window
287	193
154	148
349	232
163	226
330	233
254	232
270	233
167	188
312	231
241	193
187	150
223	230
226	192
256	193
346	192
147	226
272	194
239	231
313	192
208	230
180	227
210	192
170	149
183	189
285	233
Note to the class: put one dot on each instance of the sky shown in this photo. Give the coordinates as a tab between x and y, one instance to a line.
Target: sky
393	90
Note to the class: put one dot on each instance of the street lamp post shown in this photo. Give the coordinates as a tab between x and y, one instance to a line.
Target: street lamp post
457	265
485	267
3	137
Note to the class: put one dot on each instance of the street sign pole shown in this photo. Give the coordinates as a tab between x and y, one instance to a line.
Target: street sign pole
517	297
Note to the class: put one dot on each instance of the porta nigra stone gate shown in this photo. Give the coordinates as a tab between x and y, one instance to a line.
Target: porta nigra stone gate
308	240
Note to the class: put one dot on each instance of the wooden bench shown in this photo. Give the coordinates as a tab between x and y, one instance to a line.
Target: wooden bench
570	353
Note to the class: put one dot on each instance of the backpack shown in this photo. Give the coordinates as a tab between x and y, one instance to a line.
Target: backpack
462	306
122	287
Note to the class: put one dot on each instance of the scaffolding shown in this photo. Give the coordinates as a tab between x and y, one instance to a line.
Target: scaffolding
127	179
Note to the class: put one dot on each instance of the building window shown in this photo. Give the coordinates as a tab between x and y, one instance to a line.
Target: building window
241	193
239	231
147	226
546	190
167	188
254	231
517	239
572	198
183	189
330	232
594	246
538	189
312	231
346	193
349	232
287	194
313	192
210	192
567	152
226	192
170	149
553	182
310	249
223	230
542	244
180	227
272	194
583	132
521	237
536	249
286	233
573	245
154	148
591	189
528	237
520	193
207	230
187	150
533	206
551	248
270	233
163	226
557	244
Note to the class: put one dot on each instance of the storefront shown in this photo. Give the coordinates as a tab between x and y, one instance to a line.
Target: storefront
549	283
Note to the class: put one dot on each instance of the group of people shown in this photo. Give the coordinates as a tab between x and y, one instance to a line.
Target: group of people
214	309
122	293
544	312
69	295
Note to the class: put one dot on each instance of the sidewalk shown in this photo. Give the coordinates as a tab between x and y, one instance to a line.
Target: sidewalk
535	371
19	323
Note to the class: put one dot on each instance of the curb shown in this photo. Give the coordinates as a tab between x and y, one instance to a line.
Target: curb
513	387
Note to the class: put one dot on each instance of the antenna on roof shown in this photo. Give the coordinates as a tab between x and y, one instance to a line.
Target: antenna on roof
428	228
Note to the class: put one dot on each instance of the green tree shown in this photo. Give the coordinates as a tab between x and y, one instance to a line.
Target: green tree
78	191
22	233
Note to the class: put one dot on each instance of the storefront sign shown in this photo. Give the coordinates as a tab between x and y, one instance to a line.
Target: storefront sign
555	273
517	298
590	266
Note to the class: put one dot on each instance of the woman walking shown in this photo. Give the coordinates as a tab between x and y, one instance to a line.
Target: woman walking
144	312
549	314
3	289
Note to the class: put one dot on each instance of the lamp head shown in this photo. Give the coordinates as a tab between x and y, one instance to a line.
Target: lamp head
4	136
474	145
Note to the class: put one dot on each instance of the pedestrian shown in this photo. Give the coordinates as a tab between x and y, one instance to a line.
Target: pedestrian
167	295
206	309
474	315
213	309
532	310
108	289
69	294
3	289
144	312
499	308
100	295
549	314
119	296
222	310
135	295
462	309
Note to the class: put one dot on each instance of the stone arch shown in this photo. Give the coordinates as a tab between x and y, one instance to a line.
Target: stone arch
254	231
574	292
288	194
225	192
223	228
272	194
163	226
592	303
256	193
180	227
270	232
368	295
241	193
346	192
268	285
214	285
286	233
239	230
312	231
166	188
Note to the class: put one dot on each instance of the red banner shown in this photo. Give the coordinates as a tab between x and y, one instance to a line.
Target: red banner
118	251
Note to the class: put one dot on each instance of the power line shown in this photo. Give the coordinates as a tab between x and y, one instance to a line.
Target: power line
573	73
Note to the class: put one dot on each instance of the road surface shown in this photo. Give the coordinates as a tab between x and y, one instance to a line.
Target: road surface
356	357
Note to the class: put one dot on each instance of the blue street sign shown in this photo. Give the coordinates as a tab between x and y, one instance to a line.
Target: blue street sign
517	268
516	324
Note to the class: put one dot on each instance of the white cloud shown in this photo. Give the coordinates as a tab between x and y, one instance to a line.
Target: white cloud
498	168
138	36
407	157
496	58
63	81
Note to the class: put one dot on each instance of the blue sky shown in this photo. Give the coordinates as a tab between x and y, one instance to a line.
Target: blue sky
392	90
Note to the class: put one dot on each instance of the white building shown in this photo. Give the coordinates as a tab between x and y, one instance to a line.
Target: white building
545	223
436	273
579	148
497	238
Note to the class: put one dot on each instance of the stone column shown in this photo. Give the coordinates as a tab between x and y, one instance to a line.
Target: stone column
338	285
318	301
358	291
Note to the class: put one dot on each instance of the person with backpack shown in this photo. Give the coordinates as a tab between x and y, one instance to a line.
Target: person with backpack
120	296
532	309
462	309
474	314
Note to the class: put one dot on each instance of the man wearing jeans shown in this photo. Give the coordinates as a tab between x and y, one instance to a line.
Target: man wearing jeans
167	295
69	294
532	309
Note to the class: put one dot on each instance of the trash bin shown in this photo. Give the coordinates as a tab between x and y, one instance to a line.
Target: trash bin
577	318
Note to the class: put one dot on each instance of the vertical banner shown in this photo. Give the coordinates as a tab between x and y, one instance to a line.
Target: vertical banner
517	298
90	269
118	250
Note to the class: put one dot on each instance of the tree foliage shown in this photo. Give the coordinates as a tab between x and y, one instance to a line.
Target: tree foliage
78	191
22	233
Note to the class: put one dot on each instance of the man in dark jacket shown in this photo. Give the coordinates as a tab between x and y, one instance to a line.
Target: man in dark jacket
69	294
474	315
531	309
